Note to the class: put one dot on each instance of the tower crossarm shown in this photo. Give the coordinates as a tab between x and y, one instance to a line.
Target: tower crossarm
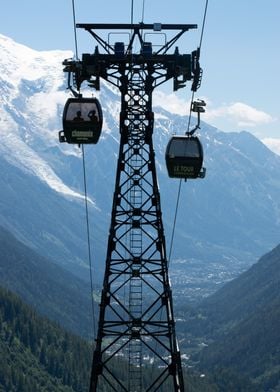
114	61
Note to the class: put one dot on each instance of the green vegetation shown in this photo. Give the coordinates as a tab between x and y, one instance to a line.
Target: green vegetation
36	354
51	290
252	348
240	325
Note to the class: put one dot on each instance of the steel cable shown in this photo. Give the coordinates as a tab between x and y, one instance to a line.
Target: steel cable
85	194
189	121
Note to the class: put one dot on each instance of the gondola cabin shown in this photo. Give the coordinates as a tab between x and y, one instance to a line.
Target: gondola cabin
184	157
82	121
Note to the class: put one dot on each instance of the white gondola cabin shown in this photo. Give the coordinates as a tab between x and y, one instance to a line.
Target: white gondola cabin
82	121
184	157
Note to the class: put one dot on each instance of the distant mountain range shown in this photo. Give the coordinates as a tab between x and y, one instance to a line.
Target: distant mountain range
227	220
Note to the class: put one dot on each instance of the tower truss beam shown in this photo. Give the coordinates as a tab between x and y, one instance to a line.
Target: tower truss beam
136	320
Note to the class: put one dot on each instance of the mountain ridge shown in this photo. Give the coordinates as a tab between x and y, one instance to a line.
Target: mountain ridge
224	220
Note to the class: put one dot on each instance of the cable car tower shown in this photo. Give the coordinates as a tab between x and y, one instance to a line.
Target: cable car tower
136	322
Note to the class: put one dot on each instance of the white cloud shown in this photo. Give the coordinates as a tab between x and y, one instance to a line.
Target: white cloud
239	113
172	103
235	116
273	144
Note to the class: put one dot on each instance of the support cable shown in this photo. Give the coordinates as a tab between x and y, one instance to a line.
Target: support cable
203	24
174	222
188	128
85	192
131	22
131	12
88	240
180	182
143	11
75	30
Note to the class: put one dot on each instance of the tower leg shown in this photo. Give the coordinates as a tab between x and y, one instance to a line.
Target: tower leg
136	331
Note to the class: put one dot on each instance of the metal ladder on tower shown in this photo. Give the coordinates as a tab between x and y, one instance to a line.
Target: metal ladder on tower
135	287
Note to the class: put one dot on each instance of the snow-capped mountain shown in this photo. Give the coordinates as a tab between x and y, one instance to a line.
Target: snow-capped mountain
226	220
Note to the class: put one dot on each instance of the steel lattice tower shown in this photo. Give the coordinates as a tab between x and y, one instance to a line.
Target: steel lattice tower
136	321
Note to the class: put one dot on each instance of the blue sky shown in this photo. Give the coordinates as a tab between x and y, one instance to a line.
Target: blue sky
240	50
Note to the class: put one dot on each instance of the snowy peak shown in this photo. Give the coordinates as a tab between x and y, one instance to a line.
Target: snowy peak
32	97
19	63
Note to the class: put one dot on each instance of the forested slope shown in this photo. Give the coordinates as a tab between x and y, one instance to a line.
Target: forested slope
53	291
36	354
241	324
